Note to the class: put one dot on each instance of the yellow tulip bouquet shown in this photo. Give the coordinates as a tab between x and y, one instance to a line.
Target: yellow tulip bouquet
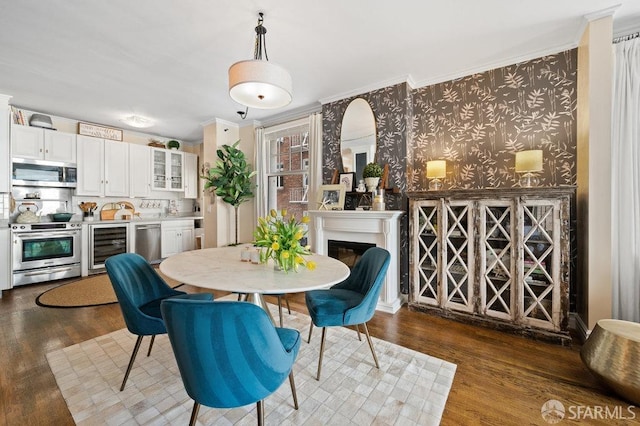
280	236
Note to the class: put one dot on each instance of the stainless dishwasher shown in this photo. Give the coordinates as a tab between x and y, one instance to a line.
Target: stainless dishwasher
148	242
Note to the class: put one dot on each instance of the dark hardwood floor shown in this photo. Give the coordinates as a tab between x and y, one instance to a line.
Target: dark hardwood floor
501	379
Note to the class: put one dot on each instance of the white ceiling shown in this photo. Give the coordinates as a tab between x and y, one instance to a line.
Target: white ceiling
99	61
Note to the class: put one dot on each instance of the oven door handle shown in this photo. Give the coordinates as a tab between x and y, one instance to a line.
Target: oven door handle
45	234
48	271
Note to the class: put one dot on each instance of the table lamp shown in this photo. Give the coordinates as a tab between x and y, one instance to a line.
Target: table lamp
528	163
436	171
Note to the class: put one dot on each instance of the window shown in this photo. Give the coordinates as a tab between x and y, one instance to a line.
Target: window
287	168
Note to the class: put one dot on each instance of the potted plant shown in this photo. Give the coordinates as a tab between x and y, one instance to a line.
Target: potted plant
371	174
230	179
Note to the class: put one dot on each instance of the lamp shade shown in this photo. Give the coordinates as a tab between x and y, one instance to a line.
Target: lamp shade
436	169
260	84
529	161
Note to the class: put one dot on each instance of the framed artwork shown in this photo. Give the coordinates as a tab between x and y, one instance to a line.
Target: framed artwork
348	180
331	197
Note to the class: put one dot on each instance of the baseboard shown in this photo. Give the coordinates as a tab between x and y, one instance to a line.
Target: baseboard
391	308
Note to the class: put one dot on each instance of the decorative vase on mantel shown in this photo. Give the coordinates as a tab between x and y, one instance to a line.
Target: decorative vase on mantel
372	183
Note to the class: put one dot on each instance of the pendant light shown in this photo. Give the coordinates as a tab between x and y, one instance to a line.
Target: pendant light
258	83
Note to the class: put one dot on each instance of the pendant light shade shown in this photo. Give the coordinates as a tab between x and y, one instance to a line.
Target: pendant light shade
259	84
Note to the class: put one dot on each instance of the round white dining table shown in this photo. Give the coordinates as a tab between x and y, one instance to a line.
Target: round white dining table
221	269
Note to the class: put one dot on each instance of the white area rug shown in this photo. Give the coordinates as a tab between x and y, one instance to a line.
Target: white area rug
410	388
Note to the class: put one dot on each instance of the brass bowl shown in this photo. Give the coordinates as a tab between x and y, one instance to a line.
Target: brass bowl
612	354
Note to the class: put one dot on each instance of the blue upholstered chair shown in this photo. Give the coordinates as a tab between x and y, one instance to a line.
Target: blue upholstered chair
229	353
140	290
351	302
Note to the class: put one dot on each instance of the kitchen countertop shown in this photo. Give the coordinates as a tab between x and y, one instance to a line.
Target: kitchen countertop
149	218
144	219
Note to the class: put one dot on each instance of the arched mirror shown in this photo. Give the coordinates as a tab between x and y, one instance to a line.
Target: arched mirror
358	137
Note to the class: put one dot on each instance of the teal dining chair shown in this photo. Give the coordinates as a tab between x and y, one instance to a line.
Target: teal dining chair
229	353
351	302
139	290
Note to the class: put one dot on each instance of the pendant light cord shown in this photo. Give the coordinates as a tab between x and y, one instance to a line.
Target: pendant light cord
261	41
260	46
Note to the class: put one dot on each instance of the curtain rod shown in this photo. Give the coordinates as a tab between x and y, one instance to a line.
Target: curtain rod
626	37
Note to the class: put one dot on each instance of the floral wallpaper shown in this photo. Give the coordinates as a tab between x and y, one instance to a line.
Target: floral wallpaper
478	123
392	110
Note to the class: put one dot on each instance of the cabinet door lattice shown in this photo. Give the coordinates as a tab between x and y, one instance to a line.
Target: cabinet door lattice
457	254
540	257
426	250
497	248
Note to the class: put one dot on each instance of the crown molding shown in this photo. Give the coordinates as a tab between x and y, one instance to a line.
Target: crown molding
497	64
251	123
602	13
370	88
218	121
594	16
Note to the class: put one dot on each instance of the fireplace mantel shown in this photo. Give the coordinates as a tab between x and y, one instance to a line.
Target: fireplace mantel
381	228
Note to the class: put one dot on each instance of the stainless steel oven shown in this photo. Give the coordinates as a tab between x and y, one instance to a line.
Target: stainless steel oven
45	251
106	240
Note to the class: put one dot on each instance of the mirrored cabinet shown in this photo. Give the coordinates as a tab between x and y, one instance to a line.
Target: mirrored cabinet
498	257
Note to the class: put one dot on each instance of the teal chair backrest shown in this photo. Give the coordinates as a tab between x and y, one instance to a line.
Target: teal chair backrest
136	285
228	353
366	278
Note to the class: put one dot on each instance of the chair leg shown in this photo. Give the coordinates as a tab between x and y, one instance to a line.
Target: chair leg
153	338
358	331
373	352
260	405
293	390
286	299
310	331
280	309
133	357
324	335
194	413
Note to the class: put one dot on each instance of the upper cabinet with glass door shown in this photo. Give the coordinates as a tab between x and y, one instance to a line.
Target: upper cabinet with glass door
167	167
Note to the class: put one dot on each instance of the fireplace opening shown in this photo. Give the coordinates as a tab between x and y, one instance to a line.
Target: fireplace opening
347	252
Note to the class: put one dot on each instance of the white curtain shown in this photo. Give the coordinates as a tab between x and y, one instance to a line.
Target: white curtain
626	181
315	158
262	191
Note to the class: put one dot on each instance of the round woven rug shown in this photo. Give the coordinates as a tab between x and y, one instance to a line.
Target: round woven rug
91	291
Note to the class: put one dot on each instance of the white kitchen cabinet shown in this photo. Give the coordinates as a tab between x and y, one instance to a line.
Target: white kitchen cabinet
5	157
41	144
5	271
103	167
139	170
501	256
190	175
168	170
177	236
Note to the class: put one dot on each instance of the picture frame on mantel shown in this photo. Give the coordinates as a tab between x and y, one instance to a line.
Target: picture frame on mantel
88	129
348	180
331	197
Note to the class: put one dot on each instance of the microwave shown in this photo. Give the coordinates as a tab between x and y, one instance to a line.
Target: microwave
43	173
